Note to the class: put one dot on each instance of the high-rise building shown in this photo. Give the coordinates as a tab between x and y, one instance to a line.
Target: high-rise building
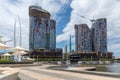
99	35
52	35
82	38
65	49
70	44
42	33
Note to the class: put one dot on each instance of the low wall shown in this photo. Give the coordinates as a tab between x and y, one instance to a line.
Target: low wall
12	76
8	74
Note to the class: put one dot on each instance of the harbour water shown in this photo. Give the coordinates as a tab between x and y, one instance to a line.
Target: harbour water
114	67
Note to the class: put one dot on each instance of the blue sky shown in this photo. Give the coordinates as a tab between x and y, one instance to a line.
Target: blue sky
64	12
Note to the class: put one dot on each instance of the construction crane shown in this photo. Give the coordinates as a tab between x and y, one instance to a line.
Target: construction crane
91	20
4	42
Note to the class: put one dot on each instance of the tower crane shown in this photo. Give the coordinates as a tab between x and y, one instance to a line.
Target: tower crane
91	20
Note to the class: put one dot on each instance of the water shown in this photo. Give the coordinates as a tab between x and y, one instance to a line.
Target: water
114	67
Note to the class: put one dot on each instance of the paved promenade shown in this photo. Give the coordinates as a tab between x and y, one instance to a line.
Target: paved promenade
41	73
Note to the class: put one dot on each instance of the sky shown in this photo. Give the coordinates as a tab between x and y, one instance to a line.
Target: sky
66	13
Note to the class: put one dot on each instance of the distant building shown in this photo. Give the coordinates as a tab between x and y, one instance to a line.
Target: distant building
99	35
82	38
70	45
42	33
65	49
59	50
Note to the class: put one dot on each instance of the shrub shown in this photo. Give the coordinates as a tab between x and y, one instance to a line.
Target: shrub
4	61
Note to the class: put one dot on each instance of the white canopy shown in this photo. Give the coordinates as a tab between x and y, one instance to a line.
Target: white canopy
18	48
3	46
6	54
19	53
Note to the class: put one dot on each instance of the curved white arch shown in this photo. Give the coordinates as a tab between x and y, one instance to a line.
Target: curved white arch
20	39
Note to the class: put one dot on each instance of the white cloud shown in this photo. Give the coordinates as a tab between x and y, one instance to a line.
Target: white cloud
97	8
10	9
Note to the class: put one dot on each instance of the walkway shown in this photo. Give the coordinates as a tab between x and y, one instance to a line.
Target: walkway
41	73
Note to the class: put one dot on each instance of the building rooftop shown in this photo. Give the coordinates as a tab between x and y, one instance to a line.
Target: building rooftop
39	8
100	19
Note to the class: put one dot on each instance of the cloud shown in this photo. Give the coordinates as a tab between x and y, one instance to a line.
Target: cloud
10	9
99	9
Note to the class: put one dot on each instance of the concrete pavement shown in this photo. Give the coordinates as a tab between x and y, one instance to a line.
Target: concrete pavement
41	73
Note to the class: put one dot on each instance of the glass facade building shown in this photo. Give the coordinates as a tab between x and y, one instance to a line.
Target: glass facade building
42	31
82	38
99	35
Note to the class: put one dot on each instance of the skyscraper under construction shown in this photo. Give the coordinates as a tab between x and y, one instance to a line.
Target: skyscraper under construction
94	39
99	35
82	38
42	33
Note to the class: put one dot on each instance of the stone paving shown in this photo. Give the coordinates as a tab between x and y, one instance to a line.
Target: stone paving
1	72
41	73
62	76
